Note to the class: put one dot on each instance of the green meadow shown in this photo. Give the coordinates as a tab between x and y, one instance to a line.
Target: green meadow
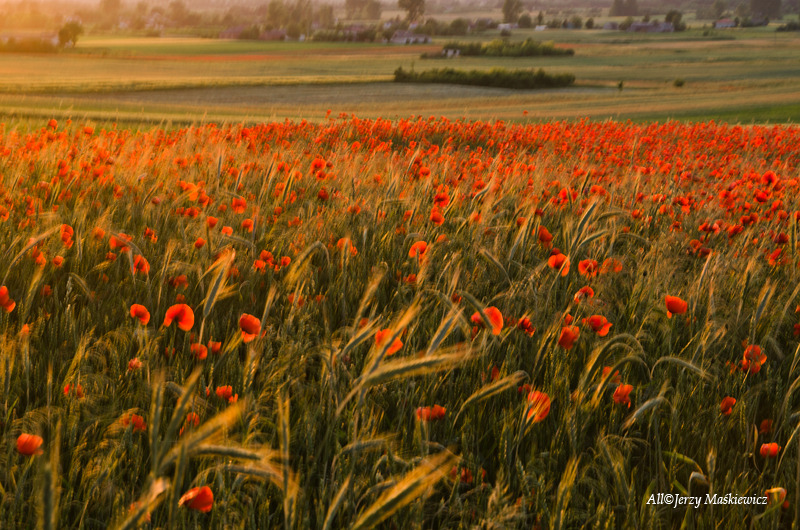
743	75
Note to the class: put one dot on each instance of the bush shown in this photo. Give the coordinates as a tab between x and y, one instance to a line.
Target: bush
459	26
497	77
525	21
335	35
789	26
678	83
501	48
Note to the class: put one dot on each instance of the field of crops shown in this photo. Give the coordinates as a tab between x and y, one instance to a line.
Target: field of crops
747	75
411	324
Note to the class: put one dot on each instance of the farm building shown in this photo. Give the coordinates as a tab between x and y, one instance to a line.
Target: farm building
407	37
651	27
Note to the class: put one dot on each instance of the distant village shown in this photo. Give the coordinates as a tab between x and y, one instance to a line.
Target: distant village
300	20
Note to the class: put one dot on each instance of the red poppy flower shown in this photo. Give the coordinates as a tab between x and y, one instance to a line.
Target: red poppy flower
584	293
441	200
29	444
610	265
430	413
436	216
238	205
569	334
495	319
58	261
199	499
753	359
614	378
140	264
181	313
545	237
120	242
765	427
346	242
215	347
224	392
776	495
150	234
211	222
770	450
588	268
134	364
199	243
622	395
192	421
726	405
77	388
139	311
5	300
418	250
200	351
599	324
675	306
525	325
538	406
135	420
227	230
382	336
559	261
250	326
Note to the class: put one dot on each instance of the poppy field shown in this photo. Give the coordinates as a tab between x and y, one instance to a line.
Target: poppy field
417	323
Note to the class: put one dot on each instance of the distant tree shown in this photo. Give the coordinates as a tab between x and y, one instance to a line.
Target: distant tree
625	24
525	21
293	31
540	19
69	33
301	13
459	26
576	22
589	23
511	10
719	8
675	17
617	8
414	8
